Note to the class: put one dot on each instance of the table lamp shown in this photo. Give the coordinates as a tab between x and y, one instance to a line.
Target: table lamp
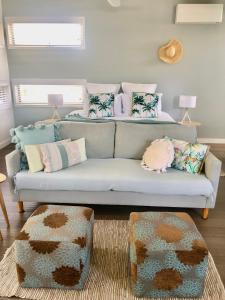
187	102
55	100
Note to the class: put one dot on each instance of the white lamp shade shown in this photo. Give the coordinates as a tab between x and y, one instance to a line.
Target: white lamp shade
114	3
187	101
55	100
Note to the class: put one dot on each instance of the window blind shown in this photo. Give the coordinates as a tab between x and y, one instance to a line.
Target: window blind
4	95
44	34
37	94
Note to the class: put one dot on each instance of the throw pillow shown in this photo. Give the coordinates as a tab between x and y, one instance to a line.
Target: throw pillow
126	100
34	158
158	156
189	157
82	113
129	88
59	156
145	105
98	88
101	105
31	135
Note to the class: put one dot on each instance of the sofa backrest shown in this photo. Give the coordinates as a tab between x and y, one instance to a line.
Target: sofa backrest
99	137
131	140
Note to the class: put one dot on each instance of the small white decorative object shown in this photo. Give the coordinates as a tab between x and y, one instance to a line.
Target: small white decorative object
55	100
187	102
158	156
114	3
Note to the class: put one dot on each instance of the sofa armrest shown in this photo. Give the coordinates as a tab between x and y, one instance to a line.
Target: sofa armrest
12	165
212	171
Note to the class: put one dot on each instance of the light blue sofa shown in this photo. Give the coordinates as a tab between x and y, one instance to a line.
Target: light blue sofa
113	174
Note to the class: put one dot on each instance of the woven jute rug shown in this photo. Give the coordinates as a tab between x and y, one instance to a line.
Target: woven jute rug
108	278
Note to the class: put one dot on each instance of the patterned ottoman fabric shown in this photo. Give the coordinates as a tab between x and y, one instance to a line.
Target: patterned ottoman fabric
53	249
168	256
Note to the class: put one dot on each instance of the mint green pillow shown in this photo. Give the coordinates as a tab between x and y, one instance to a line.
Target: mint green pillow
32	135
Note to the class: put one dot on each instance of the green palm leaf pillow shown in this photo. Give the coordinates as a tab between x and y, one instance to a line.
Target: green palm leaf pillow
145	105
101	105
189	157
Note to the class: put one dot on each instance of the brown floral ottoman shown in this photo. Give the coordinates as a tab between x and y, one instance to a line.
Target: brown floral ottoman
168	256
54	247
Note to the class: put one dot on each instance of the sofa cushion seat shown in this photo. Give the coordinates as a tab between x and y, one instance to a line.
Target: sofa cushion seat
117	175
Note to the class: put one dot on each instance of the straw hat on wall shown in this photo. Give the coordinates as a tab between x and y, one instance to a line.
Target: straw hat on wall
172	52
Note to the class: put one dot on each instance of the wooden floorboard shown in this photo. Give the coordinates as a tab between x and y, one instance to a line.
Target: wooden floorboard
213	230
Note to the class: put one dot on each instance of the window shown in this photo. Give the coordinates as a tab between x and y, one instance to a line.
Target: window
26	32
36	92
4	96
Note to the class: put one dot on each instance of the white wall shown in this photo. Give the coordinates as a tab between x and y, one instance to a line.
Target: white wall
6	113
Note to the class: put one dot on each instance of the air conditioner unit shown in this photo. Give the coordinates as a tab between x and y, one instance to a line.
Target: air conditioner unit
199	13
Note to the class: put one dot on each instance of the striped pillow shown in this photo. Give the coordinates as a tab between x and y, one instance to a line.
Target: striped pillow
60	156
34	158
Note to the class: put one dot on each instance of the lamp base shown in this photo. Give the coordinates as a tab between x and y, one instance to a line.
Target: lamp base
55	115
186	119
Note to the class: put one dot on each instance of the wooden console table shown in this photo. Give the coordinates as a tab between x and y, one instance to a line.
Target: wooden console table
2	204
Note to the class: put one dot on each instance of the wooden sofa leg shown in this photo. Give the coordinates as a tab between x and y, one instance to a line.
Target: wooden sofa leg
205	213
20	207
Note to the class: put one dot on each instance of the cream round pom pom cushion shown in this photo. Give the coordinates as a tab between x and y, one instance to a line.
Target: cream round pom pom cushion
158	156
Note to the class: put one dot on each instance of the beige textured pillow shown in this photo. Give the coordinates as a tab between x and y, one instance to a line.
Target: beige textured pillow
158	156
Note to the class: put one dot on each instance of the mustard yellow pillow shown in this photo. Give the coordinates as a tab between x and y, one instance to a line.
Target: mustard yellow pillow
34	156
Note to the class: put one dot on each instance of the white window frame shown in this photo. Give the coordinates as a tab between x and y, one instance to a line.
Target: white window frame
11	20
8	103
16	82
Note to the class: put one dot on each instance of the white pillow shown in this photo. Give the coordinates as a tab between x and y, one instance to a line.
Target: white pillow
127	104
118	105
160	95
158	156
129	88
117	108
98	88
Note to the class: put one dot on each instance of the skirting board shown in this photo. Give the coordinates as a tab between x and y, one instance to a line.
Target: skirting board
5	143
211	141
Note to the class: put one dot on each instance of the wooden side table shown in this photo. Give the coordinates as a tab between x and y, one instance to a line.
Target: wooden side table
47	122
2	204
190	124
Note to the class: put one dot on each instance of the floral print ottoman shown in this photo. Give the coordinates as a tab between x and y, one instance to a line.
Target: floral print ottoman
168	256
54	247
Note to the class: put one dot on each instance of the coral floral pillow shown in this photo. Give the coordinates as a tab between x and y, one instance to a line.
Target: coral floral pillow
189	157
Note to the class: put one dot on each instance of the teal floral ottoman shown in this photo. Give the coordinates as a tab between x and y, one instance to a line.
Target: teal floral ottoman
168	256
54	247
